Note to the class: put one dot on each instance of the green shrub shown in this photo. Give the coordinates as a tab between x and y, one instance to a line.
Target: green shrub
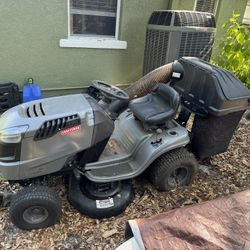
235	49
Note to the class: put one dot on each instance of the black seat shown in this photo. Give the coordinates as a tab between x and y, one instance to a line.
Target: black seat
157	107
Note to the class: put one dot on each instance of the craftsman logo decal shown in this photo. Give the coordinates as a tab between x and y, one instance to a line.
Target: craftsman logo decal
70	130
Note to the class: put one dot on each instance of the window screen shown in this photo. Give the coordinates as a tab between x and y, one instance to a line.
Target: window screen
93	17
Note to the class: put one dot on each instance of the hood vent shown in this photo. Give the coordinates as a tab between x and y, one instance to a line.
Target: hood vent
35	110
50	128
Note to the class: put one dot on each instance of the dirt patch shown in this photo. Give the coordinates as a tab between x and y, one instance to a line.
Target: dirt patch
223	174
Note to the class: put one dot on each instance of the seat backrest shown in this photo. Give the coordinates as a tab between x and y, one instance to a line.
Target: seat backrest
168	94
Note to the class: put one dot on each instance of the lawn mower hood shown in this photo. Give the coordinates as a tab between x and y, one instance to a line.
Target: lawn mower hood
70	124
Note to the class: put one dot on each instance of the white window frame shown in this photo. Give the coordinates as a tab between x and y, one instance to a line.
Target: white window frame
246	17
94	42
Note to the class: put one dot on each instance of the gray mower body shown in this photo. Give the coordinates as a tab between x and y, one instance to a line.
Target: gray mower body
132	148
58	134
57	131
33	157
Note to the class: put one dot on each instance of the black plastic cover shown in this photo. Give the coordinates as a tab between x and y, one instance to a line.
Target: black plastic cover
207	89
9	96
211	135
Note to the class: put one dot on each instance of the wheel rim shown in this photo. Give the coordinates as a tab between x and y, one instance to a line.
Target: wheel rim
177	176
35	214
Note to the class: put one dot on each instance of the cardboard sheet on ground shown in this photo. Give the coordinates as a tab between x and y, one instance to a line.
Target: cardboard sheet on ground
222	223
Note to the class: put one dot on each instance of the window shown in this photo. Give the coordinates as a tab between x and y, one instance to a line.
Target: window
93	24
93	17
206	5
246	18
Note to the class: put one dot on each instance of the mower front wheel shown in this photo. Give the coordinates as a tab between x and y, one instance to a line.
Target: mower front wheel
35	207
174	168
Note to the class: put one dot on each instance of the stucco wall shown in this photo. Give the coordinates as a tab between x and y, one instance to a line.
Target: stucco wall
182	4
29	45
31	30
225	11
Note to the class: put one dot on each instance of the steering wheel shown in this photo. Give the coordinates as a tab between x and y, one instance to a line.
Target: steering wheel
110	91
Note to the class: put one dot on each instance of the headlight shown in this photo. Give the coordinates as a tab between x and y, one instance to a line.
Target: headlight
12	135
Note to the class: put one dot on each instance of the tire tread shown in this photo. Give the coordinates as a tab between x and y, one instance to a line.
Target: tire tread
164	162
33	193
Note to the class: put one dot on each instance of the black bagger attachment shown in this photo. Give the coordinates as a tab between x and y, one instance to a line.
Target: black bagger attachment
217	99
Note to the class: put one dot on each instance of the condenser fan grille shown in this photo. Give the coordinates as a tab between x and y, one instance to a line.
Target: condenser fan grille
156	49
194	19
160	18
174	34
198	44
208	6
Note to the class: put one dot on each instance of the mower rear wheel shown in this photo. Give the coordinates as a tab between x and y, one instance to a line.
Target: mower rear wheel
35	207
100	200
174	168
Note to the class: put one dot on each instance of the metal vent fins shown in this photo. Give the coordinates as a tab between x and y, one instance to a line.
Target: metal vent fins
52	127
174	34
155	49
195	19
196	44
36	110
160	18
206	6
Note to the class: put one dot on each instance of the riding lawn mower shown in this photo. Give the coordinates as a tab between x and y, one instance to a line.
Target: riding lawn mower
101	140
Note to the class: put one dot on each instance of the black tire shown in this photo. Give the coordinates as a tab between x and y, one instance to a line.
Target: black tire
86	203
35	207
173	168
